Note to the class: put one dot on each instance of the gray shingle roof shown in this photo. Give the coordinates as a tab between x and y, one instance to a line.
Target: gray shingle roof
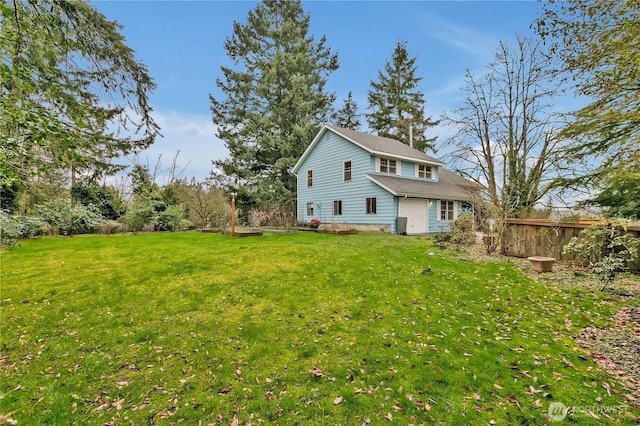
450	186
381	145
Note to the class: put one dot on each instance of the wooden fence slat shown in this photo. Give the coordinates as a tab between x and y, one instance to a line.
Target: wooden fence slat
528	237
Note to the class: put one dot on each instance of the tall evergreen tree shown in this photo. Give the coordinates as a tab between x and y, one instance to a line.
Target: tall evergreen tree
67	78
273	101
597	43
348	116
396	104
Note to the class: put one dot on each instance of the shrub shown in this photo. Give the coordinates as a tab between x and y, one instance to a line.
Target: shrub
84	219
34	226
171	219
255	218
606	247
69	220
105	198
110	227
140	213
442	237
462	230
10	229
281	218
220	219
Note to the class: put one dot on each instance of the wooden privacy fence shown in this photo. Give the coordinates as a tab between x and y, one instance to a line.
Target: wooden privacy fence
533	237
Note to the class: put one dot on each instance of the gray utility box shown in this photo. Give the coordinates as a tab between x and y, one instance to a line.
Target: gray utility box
401	225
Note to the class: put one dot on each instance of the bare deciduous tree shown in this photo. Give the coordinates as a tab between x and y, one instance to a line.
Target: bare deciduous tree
504	136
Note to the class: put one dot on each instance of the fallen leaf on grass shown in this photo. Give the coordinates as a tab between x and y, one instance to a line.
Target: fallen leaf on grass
514	400
497	386
6	419
316	372
476	396
533	390
101	407
389	417
337	401
567	362
118	404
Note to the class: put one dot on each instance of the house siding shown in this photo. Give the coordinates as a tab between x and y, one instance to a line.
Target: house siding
437	225
409	171
328	185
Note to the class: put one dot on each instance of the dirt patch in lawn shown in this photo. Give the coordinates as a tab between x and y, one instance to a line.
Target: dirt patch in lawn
617	349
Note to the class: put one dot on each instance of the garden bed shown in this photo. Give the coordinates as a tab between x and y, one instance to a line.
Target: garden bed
241	234
210	231
338	231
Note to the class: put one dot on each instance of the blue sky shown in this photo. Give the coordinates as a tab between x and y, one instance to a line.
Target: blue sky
181	42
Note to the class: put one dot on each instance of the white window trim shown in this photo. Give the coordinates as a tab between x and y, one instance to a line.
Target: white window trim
398	165
417	171
343	165
455	211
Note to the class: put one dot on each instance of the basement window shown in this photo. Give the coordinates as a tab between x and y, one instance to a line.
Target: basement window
371	206
337	208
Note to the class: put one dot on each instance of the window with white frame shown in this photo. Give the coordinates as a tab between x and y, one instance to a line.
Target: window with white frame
309	209
337	207
424	172
309	178
447	210
388	166
347	171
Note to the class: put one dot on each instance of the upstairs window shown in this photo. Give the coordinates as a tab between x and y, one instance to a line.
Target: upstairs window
446	210
388	166
309	178
424	172
347	171
371	206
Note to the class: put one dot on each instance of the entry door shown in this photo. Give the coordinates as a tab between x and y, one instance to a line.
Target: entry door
416	213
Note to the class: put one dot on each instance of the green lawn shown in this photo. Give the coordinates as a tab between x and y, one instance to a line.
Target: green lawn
290	329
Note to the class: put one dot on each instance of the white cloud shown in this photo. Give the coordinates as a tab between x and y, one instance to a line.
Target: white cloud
193	136
468	40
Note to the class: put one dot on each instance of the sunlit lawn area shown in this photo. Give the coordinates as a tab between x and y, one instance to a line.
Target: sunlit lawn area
290	329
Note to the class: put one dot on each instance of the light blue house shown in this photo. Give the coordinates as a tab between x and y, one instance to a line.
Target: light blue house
356	178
